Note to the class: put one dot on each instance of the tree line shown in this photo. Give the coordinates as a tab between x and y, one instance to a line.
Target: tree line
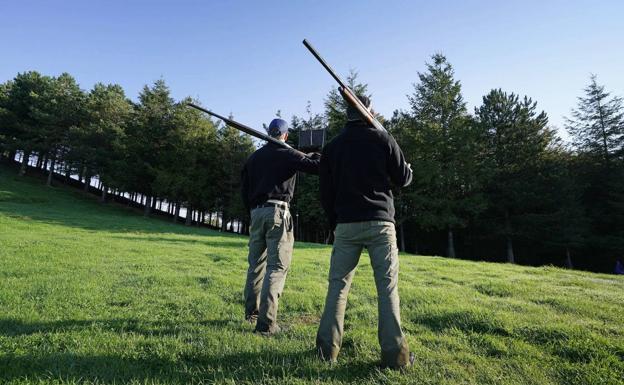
155	152
496	183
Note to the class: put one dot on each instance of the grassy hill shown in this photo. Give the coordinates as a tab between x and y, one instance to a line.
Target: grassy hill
94	293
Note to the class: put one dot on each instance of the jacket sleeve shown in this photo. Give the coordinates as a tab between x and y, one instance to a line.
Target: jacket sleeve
328	193
304	163
399	170
245	188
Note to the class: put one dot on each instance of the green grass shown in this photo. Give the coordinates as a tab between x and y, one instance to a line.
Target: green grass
94	293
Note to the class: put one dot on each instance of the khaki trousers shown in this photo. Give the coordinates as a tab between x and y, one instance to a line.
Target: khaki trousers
270	250
379	237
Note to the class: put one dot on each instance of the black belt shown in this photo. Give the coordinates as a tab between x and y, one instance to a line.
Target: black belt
283	205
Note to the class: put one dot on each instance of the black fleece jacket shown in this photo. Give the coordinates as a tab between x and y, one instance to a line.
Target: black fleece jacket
270	174
358	168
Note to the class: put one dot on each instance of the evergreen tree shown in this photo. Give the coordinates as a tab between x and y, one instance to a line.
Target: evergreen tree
597	124
309	215
147	137
445	148
187	172
27	114
517	140
336	106
234	149
597	128
7	121
65	109
98	144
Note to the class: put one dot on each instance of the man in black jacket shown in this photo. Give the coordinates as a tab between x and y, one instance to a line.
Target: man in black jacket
268	185
358	168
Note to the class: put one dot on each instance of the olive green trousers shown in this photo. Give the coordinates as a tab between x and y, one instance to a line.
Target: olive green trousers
379	237
270	251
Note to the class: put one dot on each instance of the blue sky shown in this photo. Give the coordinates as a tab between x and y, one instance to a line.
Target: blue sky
246	57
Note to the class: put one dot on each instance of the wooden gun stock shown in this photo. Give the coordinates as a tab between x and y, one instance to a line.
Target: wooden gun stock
345	91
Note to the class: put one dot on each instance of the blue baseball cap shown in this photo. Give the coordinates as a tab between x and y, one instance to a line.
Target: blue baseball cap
277	127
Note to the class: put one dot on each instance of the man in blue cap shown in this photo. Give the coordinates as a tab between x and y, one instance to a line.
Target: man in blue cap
267	189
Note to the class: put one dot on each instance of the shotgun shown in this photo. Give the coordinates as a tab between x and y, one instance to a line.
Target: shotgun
345	91
241	127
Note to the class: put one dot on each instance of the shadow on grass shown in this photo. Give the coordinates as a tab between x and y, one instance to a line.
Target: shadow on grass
465	321
267	366
187	366
13	328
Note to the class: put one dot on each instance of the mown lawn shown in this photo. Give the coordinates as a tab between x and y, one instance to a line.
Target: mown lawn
94	293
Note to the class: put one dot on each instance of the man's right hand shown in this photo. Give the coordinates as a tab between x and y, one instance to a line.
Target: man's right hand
314	155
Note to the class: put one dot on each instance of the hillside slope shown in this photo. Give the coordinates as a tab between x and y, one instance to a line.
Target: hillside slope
96	293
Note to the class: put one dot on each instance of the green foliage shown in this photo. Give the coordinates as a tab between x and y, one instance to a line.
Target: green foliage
147	137
518	140
445	147
27	107
98	144
336	106
98	294
310	217
235	148
597	125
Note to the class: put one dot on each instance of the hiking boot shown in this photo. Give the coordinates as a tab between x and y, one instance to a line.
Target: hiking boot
409	364
251	318
266	331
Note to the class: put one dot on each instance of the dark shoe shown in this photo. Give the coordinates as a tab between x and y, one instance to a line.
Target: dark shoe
327	357
409	364
267	331
251	318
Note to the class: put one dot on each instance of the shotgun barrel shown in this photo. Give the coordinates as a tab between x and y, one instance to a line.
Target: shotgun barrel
345	91
241	127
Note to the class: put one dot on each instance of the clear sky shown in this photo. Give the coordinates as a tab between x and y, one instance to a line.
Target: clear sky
246	57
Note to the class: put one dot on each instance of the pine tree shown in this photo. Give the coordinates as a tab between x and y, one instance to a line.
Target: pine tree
65	111
309	215
97	145
444	147
147	136
597	128
597	124
336	106
517	140
27	106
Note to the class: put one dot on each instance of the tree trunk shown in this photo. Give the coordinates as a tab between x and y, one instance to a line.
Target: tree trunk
39	160
330	235
67	173
87	183
189	216
11	156
568	262
148	206
103	197
223	222
450	250
51	172
177	212
25	157
510	252
402	237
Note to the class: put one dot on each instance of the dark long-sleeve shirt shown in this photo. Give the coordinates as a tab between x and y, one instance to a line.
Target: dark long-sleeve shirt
357	169
270	174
